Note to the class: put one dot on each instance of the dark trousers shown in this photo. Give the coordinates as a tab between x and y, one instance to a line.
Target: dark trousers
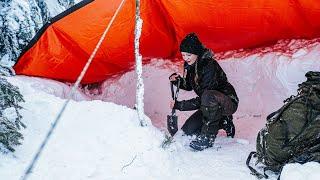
203	121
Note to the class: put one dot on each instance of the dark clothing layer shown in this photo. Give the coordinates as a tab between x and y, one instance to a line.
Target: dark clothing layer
205	74
196	121
216	98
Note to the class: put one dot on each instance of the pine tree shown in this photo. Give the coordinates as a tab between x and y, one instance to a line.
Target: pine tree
44	11
10	117
20	21
17	29
5	50
66	3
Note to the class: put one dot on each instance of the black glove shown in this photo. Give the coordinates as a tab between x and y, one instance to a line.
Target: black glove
177	105
174	74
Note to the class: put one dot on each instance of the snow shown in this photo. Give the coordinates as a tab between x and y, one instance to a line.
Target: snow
297	171
99	135
55	8
5	61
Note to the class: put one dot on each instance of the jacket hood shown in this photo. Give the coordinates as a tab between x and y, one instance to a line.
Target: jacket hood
202	59
207	54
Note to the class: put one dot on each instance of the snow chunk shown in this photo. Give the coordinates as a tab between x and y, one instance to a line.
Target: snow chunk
308	171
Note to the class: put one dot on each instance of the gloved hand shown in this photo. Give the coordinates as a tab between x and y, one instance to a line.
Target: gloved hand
174	77
177	105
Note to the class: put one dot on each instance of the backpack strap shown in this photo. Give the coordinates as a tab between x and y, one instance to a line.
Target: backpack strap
263	143
254	171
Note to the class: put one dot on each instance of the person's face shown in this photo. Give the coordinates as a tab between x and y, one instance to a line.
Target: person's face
189	58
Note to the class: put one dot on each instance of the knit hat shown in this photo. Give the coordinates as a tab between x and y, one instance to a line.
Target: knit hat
191	44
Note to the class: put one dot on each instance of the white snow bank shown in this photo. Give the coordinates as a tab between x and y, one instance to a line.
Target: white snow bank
308	171
101	140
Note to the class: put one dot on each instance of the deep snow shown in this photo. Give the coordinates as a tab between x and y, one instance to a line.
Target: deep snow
103	140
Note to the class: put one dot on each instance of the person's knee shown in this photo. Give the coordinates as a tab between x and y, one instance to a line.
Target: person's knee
212	112
213	98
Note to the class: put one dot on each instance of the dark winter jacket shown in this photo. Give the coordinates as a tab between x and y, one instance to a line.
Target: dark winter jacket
204	74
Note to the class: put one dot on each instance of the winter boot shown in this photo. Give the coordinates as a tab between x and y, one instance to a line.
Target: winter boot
202	142
209	130
228	126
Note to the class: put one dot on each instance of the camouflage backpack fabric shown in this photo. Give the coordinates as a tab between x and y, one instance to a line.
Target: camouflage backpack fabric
292	133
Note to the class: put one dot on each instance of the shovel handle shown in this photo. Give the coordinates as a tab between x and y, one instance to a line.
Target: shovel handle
174	94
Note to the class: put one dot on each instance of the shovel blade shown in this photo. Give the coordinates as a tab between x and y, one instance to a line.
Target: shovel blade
172	124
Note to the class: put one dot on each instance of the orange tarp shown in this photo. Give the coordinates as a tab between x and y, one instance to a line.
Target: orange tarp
61	50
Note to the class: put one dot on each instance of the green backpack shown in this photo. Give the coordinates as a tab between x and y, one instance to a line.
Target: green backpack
292	133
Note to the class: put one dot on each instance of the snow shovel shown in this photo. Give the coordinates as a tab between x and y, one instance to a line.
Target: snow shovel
172	120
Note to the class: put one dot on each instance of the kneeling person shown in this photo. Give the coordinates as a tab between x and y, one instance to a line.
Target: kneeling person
216	100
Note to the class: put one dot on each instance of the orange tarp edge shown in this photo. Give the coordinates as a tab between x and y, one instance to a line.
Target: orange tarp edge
61	51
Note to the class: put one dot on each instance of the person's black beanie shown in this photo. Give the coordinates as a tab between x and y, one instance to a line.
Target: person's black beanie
191	44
